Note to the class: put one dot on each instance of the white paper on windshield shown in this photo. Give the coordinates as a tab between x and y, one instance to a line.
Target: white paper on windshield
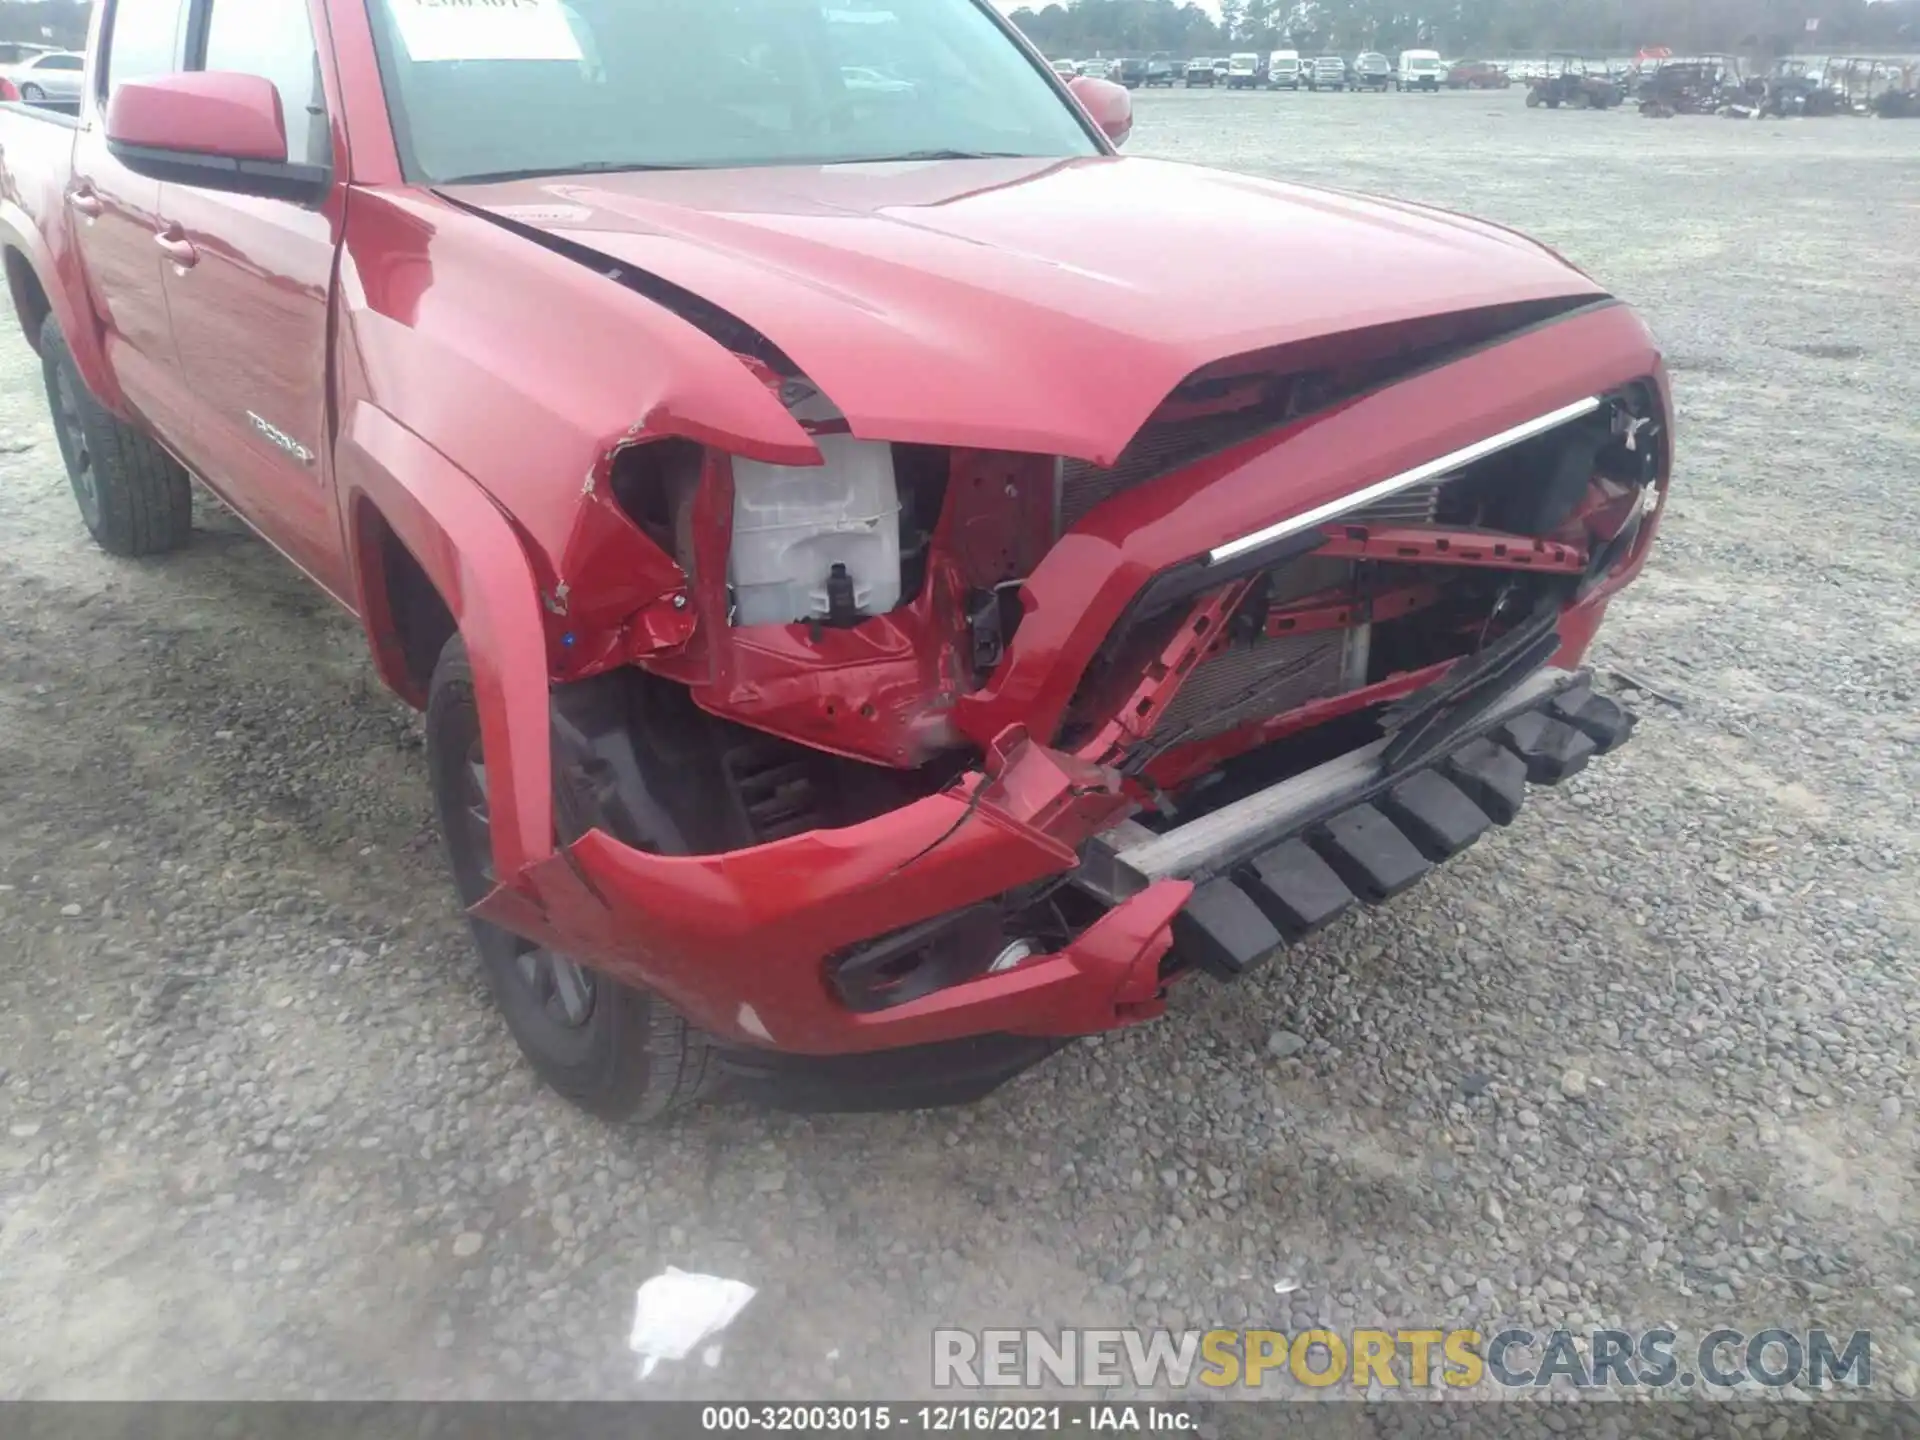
485	30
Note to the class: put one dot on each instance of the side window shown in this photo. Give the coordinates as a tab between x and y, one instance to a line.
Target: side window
143	40
63	62
274	39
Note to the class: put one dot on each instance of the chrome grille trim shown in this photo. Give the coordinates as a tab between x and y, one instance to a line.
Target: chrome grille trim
1406	480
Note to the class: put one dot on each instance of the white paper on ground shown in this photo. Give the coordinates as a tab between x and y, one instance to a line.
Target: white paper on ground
485	30
676	1311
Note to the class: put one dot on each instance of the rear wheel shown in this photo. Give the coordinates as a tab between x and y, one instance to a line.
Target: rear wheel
134	497
616	1051
32	93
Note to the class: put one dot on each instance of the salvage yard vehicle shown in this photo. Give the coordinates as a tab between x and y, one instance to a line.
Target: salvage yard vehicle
1372	71
1283	70
1243	72
881	606
1889	89
1798	88
1478	75
1200	72
1327	72
1419	70
1696	86
1160	71
1571	81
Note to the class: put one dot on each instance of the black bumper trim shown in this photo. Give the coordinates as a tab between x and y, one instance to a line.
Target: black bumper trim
1216	844
1314	845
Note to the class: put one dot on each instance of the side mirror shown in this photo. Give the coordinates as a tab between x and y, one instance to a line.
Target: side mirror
1109	105
216	129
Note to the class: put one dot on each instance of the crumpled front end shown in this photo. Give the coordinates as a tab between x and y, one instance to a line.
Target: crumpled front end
968	748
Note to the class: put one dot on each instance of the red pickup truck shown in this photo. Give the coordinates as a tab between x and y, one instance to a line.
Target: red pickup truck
893	585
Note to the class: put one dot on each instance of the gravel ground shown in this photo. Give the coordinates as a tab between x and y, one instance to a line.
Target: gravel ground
1647	1056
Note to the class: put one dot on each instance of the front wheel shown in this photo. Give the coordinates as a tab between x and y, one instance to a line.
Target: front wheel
613	1050
32	93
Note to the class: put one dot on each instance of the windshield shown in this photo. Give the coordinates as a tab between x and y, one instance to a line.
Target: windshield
552	87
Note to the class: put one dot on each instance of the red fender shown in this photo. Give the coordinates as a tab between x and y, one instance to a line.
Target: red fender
471	553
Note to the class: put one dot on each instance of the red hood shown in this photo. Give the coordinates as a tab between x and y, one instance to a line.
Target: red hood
1045	306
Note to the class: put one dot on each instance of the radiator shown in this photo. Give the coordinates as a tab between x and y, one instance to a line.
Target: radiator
1252	679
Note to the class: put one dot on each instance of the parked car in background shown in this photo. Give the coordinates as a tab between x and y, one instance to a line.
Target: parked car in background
1130	73
17	52
1066	69
1283	70
1161	71
1097	69
1372	71
1243	71
1200	72
53	76
1478	75
1420	70
1328	72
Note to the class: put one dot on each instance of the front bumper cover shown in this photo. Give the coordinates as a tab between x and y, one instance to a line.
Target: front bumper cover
736	940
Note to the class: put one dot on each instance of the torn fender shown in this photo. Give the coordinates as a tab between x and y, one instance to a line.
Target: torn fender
475	560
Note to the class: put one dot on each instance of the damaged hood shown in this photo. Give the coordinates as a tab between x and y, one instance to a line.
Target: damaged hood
1045	306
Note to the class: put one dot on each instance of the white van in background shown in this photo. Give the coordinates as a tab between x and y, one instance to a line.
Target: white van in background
1419	70
1283	70
1243	71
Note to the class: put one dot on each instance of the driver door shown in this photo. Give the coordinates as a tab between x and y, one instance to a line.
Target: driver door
249	290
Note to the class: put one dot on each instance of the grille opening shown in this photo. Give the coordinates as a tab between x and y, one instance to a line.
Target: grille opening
1466	558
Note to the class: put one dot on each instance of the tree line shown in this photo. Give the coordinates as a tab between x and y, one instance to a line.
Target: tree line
1474	27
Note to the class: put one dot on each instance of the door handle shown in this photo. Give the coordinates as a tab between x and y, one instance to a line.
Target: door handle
85	201
178	248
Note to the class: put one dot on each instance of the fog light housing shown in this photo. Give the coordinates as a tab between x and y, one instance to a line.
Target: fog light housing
920	959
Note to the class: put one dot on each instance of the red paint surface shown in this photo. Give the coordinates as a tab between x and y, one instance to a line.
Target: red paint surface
463	390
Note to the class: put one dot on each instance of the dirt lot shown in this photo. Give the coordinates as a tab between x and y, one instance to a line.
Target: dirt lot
1647	1056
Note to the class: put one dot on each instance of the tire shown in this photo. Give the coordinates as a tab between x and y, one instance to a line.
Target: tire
32	93
134	497
615	1051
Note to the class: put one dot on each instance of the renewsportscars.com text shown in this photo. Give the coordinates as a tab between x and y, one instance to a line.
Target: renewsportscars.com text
1506	1359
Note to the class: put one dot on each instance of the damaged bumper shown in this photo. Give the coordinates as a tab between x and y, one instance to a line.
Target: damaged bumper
737	941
